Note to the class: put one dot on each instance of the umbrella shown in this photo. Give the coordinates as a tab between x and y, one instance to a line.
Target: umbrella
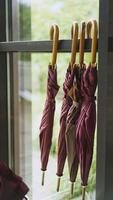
70	134
46	127
12	186
74	112
85	126
67	102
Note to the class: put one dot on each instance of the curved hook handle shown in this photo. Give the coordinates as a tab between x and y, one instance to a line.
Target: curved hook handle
92	30
54	35
74	36
82	43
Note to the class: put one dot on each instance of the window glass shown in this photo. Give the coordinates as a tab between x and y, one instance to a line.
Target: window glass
33	22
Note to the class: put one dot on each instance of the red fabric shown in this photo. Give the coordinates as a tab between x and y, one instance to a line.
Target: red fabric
46	127
67	102
85	126
11	186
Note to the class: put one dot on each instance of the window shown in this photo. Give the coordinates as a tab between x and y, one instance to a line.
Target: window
32	21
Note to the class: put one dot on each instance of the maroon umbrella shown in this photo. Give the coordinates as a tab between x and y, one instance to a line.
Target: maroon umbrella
67	102
11	186
72	117
85	126
46	127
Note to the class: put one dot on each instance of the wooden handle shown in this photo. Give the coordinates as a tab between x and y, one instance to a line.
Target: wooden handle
92	25
74	36
54	35
82	43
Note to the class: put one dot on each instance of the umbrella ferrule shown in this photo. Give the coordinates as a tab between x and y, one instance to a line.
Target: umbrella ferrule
72	187
83	192
43	177
58	183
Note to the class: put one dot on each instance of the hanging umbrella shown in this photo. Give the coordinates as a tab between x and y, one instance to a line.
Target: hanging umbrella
85	126
46	127
70	134
74	113
67	102
12	186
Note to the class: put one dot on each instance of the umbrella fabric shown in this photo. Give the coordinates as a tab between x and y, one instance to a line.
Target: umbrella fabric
85	126
72	117
67	102
11	186
46	127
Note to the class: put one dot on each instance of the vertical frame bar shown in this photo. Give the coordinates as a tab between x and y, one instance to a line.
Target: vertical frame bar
3	89
104	186
18	135
13	29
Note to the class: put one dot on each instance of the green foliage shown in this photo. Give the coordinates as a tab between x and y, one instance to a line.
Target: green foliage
61	12
25	30
44	14
53	148
25	21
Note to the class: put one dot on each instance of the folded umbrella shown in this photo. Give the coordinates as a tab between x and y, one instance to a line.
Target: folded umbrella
46	127
74	112
70	136
67	102
85	126
12	186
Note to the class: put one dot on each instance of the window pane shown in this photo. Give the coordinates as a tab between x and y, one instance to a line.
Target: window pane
30	75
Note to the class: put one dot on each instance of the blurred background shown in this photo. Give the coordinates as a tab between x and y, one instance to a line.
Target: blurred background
33	21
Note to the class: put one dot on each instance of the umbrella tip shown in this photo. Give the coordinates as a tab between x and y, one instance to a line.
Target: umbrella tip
83	192
43	177
72	187
58	184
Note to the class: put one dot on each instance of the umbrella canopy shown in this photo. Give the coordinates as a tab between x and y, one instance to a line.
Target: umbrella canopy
67	102
11	186
46	127
72	117
85	126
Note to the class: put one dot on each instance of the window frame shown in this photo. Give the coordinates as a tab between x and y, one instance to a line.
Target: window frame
104	184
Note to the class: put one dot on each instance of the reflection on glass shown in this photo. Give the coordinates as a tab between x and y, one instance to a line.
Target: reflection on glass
30	71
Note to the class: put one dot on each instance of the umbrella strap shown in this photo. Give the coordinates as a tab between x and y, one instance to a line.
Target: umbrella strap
89	98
